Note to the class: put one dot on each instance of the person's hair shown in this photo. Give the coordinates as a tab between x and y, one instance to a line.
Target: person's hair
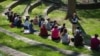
20	17
65	30
78	27
9	9
55	21
64	24
48	19
42	19
55	26
27	18
96	35
31	21
17	15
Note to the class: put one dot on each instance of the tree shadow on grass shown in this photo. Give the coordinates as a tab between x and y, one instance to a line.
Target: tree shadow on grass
2	1
85	35
48	48
25	2
95	13
44	37
87	41
95	53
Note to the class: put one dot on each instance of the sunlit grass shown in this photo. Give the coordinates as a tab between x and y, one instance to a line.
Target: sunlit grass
18	9
57	14
90	21
22	6
5	3
38	10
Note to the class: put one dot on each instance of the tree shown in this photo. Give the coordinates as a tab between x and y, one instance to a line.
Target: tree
71	8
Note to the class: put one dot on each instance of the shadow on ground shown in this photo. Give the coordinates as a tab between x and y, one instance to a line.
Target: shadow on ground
95	13
2	0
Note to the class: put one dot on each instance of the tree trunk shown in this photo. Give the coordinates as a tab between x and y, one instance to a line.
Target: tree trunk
71	8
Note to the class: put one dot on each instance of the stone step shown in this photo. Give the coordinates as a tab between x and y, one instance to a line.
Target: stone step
12	52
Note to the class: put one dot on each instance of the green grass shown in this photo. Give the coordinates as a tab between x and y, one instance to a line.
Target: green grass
4	4
21	46
38	10
18	9
3	54
90	21
57	14
22	6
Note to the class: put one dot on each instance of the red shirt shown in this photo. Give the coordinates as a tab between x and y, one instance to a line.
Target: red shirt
43	31
55	33
95	42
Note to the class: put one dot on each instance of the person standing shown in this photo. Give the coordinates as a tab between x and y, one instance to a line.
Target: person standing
74	22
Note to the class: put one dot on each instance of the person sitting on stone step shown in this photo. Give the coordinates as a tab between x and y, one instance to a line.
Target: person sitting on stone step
26	25
62	28
55	33
16	18
48	24
95	43
43	31
35	20
54	23
31	28
19	23
64	37
78	40
41	20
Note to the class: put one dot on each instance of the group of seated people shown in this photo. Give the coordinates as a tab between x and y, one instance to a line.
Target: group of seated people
46	25
16	21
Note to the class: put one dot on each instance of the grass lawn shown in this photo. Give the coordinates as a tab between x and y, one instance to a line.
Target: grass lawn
90	21
57	14
4	4
87	25
21	46
21	7
38	10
